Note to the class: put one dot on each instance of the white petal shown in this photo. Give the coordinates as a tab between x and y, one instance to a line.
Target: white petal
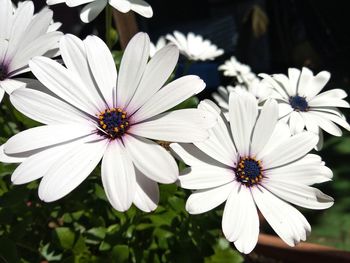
322	101
141	7
37	165
121	5
45	108
290	150
2	93
324	123
102	67
243	116
335	118
118	176
74	3
293	75
62	82
92	10
187	125
284	219
298	194
5	19
146	194
71	170
334	94
75	58
132	67
202	201
206	176
4	158
264	127
145	154
156	73
54	2
317	83
192	156
305	79
9	85
305	171
296	122
44	136
240	221
169	96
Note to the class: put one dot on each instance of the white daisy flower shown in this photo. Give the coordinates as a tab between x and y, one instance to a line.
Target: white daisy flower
194	47
91	114
242	72
23	35
95	7
254	164
301	105
257	88
154	48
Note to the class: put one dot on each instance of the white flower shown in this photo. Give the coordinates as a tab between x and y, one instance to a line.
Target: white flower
194	47
154	48
242	72
257	88
95	7
23	35
92	114
301	105
254	163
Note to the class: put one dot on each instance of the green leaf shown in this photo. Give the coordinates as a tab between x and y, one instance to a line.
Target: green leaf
120	253
65	236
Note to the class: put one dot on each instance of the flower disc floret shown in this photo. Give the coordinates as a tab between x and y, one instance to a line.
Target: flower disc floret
249	171
299	103
113	122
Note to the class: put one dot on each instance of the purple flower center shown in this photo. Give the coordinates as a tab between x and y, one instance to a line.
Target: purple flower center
299	103
113	123
249	171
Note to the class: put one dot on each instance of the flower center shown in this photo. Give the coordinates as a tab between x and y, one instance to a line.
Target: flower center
249	171
114	123
298	103
3	72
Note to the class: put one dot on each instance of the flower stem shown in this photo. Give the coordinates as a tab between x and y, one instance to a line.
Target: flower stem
109	26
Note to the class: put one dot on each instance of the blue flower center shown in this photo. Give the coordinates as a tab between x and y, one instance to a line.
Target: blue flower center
249	171
298	103
3	72
113	123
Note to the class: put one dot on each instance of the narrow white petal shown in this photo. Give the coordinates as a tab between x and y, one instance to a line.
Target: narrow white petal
206	176
202	201
74	3
102	67
290	150
156	73
118	176
75	58
2	93
132	68
334	94
71	170
146	194
5	158
5	19
145	154
192	155
44	108
240	221
169	96
293	75
62	82
121	5
264	127
243	115
284	219
322	101
324	123
296	122
187	125
300	195
44	136
141	7
92	10
305	79
317	83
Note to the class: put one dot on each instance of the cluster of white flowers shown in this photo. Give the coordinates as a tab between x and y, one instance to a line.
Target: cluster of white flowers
253	153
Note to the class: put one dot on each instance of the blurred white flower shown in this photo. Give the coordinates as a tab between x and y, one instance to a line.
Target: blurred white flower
194	47
242	72
23	35
255	162
92	114
301	105
154	48
95	7
260	90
